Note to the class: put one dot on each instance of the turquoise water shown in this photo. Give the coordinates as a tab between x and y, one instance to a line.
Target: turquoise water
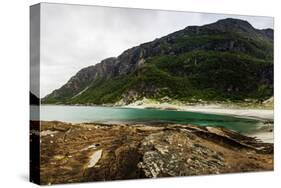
78	114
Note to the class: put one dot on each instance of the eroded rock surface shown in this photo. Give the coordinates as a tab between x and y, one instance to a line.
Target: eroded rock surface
97	152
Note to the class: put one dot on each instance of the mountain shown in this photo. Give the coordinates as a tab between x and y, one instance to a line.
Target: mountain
225	60
33	99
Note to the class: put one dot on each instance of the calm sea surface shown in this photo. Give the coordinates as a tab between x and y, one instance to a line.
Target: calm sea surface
78	114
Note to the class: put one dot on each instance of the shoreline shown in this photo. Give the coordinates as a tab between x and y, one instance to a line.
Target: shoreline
219	109
260	111
254	113
264	115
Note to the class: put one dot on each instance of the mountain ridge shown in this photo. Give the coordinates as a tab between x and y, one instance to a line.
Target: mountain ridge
230	38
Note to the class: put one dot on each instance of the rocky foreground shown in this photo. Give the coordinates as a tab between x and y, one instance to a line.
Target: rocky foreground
98	152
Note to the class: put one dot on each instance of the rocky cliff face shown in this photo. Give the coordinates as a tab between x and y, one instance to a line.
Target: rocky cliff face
228	40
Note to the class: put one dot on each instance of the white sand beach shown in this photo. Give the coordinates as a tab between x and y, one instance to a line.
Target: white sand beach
263	114
266	137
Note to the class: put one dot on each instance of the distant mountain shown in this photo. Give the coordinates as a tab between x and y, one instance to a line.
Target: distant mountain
33	99
225	60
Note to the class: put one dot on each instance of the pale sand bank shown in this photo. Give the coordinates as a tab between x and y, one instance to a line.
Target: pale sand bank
266	137
211	109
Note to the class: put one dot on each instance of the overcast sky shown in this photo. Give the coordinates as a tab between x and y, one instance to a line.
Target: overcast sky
73	37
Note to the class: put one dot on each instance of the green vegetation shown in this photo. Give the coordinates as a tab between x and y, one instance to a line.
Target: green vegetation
105	91
202	75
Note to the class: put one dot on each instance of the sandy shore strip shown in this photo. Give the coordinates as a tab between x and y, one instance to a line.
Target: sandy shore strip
261	114
249	113
266	137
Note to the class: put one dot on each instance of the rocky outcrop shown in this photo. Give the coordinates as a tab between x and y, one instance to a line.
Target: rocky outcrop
240	26
84	78
98	152
33	99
